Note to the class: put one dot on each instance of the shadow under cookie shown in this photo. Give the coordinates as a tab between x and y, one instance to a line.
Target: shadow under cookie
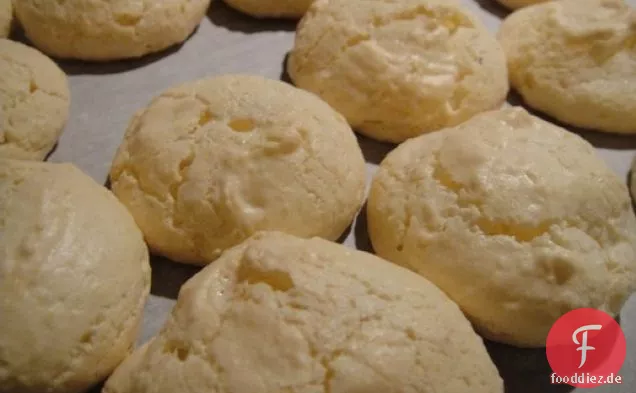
493	7
524	370
222	15
168	277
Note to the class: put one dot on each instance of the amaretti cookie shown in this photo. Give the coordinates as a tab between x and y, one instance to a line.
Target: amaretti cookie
74	277
517	220
398	69
34	102
515	4
575	60
6	17
291	9
210	162
279	313
102	30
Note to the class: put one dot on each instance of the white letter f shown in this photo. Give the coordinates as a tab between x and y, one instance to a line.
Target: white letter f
584	347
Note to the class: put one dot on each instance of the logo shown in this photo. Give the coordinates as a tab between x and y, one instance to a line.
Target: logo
586	348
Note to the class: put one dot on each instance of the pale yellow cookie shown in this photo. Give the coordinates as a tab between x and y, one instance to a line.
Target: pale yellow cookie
575	60
398	69
210	162
34	102
292	9
279	313
6	17
74	277
515	4
517	220
102	30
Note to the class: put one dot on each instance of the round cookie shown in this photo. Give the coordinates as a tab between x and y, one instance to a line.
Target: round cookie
515	4
210	162
280	313
396	70
517	220
6	17
575	60
103	30
292	9
34	102
73	283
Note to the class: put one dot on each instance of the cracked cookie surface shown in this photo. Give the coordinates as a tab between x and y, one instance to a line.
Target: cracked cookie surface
575	60
517	220
74	277
210	162
34	102
292	9
398	69
282	314
103	30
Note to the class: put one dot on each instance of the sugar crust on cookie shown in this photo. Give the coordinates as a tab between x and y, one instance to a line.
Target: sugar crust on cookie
310	316
74	279
34	102
210	162
517	220
575	60
396	70
98	30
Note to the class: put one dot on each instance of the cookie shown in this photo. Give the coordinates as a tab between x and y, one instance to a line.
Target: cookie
291	9
103	30
211	162
516	219
6	17
34	102
280	313
74	279
575	60
396	70
515	4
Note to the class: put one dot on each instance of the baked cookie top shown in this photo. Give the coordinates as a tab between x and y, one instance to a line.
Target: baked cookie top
282	313
398	69
516	219
210	162
575	60
34	102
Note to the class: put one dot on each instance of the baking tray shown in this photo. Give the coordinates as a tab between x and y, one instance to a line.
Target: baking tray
105	96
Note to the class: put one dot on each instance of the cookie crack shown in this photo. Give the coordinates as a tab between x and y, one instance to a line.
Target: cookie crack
304	63
519	232
449	19
489	227
129	171
194	136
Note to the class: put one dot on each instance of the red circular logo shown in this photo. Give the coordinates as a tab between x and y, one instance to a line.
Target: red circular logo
586	348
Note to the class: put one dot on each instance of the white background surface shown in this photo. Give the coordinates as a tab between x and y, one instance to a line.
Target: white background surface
105	96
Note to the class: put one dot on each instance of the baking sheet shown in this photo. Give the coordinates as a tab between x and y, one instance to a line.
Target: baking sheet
105	96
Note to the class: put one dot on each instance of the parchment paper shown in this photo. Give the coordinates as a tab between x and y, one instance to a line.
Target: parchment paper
105	96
